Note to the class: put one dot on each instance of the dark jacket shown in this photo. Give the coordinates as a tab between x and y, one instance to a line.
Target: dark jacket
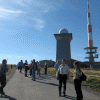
26	66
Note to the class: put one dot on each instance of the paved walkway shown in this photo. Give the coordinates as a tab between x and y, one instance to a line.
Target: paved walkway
44	88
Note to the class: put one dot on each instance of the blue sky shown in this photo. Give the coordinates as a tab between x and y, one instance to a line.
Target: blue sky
27	28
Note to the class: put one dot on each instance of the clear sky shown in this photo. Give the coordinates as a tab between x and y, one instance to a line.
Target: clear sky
27	28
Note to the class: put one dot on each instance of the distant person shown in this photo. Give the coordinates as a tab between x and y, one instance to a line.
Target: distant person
34	67
20	65
45	67
26	68
38	67
3	70
30	67
57	64
63	76
11	66
77	81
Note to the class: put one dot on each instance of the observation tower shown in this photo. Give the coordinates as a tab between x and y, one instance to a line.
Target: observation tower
91	51
63	46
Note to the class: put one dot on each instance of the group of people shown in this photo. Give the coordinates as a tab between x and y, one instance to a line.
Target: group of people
33	67
62	71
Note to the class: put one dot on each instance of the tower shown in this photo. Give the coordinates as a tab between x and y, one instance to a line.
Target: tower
90	49
63	46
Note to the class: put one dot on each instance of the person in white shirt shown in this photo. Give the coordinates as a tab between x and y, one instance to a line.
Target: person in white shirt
63	76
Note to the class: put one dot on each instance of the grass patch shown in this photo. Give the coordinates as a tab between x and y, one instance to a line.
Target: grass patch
9	68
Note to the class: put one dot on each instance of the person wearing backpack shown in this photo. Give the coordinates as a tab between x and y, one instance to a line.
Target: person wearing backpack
26	68
20	65
77	81
3	70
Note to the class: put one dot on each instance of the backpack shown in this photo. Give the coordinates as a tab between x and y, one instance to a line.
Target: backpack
83	76
1	70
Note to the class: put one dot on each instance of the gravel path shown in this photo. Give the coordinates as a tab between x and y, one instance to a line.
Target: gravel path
45	87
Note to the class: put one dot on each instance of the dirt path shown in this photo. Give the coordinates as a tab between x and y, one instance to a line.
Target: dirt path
10	74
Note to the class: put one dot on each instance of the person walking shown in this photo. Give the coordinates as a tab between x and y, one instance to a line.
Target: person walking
63	76
38	67
11	66
3	70
20	64
26	68
56	66
45	67
77	81
34	67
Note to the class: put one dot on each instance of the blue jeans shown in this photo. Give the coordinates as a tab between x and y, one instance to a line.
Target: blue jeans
20	68
33	74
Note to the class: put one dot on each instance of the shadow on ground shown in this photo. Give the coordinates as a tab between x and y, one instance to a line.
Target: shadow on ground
48	83
70	97
8	97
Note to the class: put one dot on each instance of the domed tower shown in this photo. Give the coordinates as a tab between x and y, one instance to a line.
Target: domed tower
63	46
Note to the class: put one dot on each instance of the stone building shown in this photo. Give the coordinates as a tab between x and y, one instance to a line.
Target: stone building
63	46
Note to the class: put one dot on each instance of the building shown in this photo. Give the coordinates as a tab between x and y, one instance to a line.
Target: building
49	62
63	50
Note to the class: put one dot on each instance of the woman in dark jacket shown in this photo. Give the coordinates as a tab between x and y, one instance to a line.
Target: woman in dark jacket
26	67
77	81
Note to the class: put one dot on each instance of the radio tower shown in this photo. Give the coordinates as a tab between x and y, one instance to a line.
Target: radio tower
90	49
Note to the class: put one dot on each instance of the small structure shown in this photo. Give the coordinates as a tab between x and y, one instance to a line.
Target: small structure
50	63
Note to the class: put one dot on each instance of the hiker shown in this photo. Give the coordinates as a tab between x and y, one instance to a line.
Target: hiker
57	64
63	76
77	81
4	69
20	64
45	67
34	67
26	68
30	67
38	68
11	66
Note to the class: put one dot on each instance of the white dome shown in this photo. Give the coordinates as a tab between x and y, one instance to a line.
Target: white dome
63	31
